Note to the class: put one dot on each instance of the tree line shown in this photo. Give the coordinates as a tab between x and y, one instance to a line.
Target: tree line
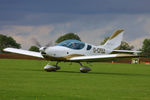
7	41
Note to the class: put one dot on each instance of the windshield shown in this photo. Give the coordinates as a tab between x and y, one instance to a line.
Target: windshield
73	44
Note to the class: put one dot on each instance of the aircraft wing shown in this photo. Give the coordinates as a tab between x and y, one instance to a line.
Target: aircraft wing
24	52
99	58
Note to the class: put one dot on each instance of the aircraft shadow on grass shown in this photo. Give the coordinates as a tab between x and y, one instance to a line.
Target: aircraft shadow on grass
107	73
96	73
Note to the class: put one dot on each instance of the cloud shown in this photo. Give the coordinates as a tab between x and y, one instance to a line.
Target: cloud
76	6
95	36
92	20
91	28
37	12
24	34
137	43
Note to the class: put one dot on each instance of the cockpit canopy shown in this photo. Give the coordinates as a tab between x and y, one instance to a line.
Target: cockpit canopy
72	44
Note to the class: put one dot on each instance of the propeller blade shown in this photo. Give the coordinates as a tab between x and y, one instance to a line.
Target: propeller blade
49	44
37	43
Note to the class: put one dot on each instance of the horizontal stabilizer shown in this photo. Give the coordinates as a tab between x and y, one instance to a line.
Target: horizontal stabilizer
126	51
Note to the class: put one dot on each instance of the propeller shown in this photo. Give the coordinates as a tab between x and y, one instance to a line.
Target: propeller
37	43
49	44
42	48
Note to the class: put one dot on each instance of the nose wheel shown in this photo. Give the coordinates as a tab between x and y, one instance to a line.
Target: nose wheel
50	68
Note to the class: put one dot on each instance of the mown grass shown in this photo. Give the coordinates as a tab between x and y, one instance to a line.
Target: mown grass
26	80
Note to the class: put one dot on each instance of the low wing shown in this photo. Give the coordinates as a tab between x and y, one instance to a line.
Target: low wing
126	51
109	57
24	52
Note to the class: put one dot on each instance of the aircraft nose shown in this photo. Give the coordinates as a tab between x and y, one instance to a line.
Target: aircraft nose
56	51
42	50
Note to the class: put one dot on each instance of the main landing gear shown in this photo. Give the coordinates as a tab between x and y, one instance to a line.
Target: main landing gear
50	68
84	69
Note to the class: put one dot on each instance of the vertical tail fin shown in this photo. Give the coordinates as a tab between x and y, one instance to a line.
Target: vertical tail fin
114	41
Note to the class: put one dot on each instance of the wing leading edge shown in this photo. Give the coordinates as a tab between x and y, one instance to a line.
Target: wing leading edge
24	52
99	58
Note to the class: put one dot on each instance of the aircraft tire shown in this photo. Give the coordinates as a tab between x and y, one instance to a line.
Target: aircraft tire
85	69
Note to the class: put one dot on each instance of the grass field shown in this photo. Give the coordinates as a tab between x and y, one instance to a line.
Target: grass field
26	80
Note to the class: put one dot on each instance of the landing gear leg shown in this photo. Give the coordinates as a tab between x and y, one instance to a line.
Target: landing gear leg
84	69
57	67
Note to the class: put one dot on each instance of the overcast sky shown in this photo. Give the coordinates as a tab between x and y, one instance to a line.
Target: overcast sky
92	20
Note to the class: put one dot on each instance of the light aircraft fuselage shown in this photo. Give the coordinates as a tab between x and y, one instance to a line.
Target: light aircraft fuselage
72	48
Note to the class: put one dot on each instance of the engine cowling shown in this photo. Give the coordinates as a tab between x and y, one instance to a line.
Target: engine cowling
85	69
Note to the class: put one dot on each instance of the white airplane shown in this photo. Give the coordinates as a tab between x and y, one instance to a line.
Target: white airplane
77	51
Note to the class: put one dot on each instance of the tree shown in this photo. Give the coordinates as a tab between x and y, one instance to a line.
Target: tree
68	36
124	45
34	48
7	41
146	47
